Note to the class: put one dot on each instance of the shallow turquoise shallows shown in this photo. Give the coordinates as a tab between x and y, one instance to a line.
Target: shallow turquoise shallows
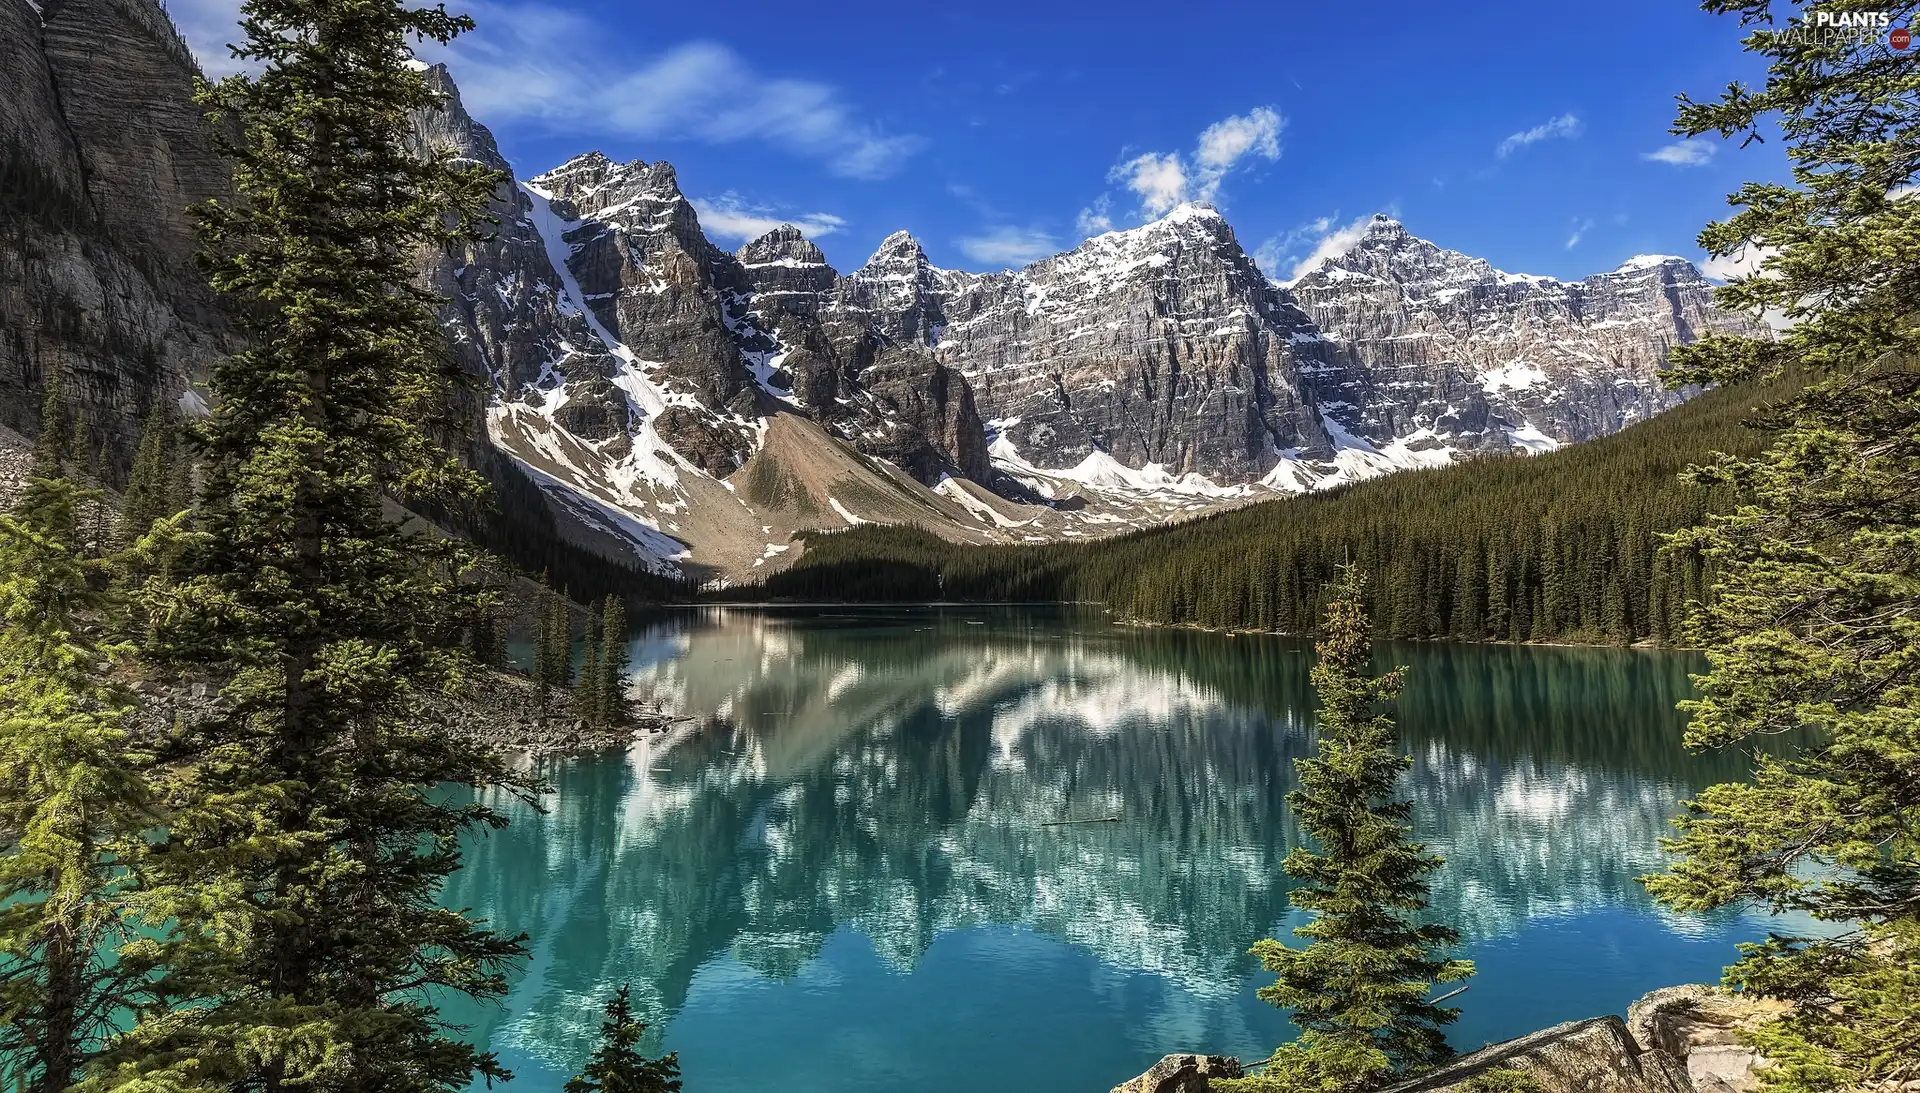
836	877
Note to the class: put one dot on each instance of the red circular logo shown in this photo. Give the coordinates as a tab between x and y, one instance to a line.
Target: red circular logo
1901	38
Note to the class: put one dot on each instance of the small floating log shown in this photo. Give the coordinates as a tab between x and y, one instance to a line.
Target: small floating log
1095	820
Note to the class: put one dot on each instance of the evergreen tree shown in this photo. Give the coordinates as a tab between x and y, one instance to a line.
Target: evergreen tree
150	483
613	663
307	840
586	697
543	668
617	1065
50	447
73	801
1359	988
1813	624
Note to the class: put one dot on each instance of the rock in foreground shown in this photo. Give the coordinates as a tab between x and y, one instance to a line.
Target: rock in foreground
1182	1074
1592	1056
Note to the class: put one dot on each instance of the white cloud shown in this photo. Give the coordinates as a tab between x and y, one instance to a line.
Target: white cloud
1276	252
730	217
546	66
1163	180
1566	126
1329	244
1223	143
1684	153
1097	217
1744	262
1579	231
1003	246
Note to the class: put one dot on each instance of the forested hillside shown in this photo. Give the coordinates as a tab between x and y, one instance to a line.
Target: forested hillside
1558	547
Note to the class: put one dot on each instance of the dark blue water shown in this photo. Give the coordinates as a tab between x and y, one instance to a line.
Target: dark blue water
834	876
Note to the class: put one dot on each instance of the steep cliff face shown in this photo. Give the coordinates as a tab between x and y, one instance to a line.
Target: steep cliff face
1163	350
1163	345
1440	347
102	151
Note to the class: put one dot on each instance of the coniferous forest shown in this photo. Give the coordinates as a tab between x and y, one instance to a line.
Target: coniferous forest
1563	547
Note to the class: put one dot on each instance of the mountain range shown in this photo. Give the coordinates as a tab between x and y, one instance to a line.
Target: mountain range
691	409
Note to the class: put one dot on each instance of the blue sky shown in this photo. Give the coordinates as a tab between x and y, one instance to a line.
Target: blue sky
1000	132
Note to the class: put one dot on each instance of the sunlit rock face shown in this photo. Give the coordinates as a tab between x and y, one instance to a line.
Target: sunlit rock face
1437	345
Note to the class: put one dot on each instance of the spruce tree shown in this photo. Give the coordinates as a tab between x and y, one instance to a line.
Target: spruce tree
612	691
586	696
309	835
73	800
50	447
150	482
1359	990
617	1065
1812	621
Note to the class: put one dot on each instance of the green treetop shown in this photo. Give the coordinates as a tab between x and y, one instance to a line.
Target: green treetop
1360	988
617	1065
1812	627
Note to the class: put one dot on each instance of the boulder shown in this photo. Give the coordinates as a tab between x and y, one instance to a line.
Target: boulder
1701	1026
1182	1074
1591	1056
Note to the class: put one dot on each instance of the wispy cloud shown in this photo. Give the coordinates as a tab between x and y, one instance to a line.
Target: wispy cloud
1303	248
1162	180
1579	232
1006	245
539	65
209	26
1564	127
1684	153
1096	217
731	217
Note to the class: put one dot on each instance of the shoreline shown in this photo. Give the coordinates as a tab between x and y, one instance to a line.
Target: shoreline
1645	644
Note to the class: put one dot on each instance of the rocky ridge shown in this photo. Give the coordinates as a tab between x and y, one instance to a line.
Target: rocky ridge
632	369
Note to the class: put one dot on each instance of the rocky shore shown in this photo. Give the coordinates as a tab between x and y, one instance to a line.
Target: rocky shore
1684	1039
497	707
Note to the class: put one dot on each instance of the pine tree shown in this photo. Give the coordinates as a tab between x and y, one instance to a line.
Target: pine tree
586	696
617	1065
612	691
1813	622
73	800
543	668
308	840
149	484
1359	988
50	447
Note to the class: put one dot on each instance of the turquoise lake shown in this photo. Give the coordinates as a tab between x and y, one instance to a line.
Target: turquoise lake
834	876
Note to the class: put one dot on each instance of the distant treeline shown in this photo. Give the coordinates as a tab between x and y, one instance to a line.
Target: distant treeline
1557	547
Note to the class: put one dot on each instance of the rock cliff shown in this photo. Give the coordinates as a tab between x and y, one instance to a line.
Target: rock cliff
102	151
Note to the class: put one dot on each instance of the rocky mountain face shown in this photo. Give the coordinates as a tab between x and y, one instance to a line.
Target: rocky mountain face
1436	348
1164	349
102	151
646	381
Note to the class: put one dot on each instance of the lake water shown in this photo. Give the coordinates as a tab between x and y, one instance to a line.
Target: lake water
836	877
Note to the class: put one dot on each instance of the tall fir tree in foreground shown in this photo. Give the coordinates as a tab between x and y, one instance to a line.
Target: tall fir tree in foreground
73	800
1360	989
1812	629
617	1065
309	833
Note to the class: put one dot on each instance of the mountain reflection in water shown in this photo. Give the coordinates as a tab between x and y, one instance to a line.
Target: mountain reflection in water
861	793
